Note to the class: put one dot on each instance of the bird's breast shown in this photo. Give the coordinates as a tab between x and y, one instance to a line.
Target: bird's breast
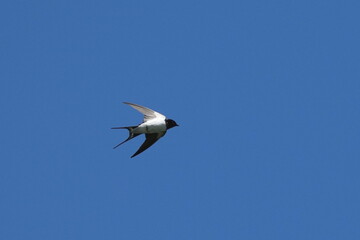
151	127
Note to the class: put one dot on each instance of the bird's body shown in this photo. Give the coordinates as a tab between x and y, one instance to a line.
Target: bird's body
154	127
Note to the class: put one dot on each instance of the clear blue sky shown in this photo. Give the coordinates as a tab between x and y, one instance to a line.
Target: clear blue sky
267	94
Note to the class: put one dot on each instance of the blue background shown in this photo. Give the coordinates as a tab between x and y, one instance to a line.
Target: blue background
266	93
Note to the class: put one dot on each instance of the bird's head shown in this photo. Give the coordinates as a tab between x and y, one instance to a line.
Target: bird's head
170	123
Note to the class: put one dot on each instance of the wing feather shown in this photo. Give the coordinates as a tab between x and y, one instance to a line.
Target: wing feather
147	112
150	140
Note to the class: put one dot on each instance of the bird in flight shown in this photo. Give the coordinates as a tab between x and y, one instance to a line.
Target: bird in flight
154	127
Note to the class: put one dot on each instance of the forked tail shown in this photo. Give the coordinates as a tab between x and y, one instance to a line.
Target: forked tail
131	134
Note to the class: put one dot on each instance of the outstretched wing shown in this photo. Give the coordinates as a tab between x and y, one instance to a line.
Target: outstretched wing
150	140
148	113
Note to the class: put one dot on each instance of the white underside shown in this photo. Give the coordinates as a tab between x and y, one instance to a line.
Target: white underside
151	126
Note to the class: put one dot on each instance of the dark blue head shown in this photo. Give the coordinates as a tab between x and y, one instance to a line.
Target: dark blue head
170	123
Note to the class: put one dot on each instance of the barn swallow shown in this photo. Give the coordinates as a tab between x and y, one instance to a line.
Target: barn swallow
154	126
